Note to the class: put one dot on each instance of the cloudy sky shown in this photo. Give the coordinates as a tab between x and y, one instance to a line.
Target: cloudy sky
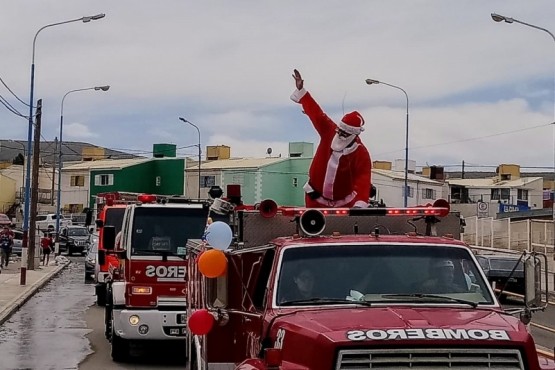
479	91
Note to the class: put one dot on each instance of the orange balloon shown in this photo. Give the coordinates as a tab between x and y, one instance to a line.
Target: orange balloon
212	263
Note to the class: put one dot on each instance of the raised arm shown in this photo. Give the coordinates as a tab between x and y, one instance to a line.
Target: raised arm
321	122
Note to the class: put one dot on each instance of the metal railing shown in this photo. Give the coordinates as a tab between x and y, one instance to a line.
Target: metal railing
504	236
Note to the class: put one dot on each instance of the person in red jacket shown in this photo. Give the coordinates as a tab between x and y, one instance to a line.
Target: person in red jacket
340	172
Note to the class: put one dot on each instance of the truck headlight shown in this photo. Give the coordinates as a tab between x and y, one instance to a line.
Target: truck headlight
134	320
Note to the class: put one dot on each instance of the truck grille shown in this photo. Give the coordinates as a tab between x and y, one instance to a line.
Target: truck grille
430	358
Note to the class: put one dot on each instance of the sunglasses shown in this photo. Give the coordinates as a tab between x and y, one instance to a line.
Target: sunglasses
342	133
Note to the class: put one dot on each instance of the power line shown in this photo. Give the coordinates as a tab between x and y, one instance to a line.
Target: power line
471	139
10	90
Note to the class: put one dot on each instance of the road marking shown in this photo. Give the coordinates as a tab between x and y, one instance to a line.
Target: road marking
543	327
545	353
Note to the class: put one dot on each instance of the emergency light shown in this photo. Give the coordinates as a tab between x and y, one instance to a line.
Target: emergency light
146	198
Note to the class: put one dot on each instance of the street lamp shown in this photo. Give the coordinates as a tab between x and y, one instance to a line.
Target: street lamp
499	18
199	151
85	19
406	192
58	197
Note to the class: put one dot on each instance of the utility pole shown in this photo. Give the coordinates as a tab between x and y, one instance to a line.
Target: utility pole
34	189
462	174
54	171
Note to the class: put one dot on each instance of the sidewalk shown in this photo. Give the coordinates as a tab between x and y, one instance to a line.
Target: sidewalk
13	295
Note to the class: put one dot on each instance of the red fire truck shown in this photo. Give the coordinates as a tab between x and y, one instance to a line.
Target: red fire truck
109	210
380	288
146	290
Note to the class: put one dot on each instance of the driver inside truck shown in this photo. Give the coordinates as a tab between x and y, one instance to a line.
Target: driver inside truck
443	279
303	285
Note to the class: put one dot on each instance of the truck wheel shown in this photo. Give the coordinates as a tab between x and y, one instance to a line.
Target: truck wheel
120	348
108	315
101	295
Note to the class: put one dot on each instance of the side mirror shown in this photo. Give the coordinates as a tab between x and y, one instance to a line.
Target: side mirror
99	223
109	237
101	257
532	281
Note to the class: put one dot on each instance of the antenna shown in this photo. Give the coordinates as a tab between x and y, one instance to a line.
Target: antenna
269	151
343	102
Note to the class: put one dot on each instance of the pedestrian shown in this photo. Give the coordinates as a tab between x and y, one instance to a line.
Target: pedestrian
340	172
47	245
6	242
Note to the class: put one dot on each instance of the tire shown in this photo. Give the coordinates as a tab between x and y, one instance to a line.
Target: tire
88	278
108	314
101	296
120	348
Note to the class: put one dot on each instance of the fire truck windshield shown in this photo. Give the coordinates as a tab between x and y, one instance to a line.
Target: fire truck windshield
114	217
407	274
165	230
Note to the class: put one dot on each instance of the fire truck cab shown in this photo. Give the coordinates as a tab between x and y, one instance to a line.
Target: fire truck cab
109	210
377	291
146	291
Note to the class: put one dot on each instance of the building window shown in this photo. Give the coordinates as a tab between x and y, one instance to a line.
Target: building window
295	182
428	194
207	181
522	194
411	192
77	181
104	180
500	194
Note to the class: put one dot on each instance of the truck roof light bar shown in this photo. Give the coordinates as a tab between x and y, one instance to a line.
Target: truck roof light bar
410	211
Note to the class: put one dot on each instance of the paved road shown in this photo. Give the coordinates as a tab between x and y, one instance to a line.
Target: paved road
48	332
143	357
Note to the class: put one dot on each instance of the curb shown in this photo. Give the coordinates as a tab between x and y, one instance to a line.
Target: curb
16	303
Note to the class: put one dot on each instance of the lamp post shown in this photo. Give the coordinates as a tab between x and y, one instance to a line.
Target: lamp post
500	18
406	187
85	19
58	197
23	167
199	151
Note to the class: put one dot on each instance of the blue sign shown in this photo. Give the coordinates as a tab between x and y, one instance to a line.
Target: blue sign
504	208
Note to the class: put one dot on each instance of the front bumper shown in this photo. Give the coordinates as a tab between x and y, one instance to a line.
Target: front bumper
162	325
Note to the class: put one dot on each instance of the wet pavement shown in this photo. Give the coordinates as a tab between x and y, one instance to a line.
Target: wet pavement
49	331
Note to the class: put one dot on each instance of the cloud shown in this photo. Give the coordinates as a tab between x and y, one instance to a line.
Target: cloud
78	131
227	67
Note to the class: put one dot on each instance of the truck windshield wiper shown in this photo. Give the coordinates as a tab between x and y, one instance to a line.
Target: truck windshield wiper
303	302
430	297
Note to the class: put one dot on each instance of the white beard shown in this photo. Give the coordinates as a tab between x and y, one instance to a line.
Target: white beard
339	143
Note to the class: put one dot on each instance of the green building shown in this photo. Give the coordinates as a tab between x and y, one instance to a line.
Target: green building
164	174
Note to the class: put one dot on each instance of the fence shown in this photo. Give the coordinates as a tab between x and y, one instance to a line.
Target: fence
513	237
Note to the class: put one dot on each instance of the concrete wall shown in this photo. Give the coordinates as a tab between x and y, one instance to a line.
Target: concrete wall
7	193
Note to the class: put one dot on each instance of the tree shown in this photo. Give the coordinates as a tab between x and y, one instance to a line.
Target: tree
19	159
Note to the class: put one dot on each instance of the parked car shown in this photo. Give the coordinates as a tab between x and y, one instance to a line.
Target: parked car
5	220
48	222
90	262
17	242
74	239
498	269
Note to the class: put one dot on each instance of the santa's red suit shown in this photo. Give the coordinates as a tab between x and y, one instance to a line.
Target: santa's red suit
340	177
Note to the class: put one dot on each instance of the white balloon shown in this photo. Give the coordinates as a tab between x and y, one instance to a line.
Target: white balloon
219	235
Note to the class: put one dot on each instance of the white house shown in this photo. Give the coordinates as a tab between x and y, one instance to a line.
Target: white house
422	190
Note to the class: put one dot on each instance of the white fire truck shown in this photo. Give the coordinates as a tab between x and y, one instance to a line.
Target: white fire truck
146	290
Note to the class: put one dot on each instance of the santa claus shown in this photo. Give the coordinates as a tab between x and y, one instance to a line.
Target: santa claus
339	175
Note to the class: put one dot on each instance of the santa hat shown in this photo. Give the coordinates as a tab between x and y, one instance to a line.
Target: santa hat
352	123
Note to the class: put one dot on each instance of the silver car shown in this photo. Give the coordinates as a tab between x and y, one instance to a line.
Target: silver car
17	242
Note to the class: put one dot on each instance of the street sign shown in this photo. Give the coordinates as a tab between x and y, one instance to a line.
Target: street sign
482	209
